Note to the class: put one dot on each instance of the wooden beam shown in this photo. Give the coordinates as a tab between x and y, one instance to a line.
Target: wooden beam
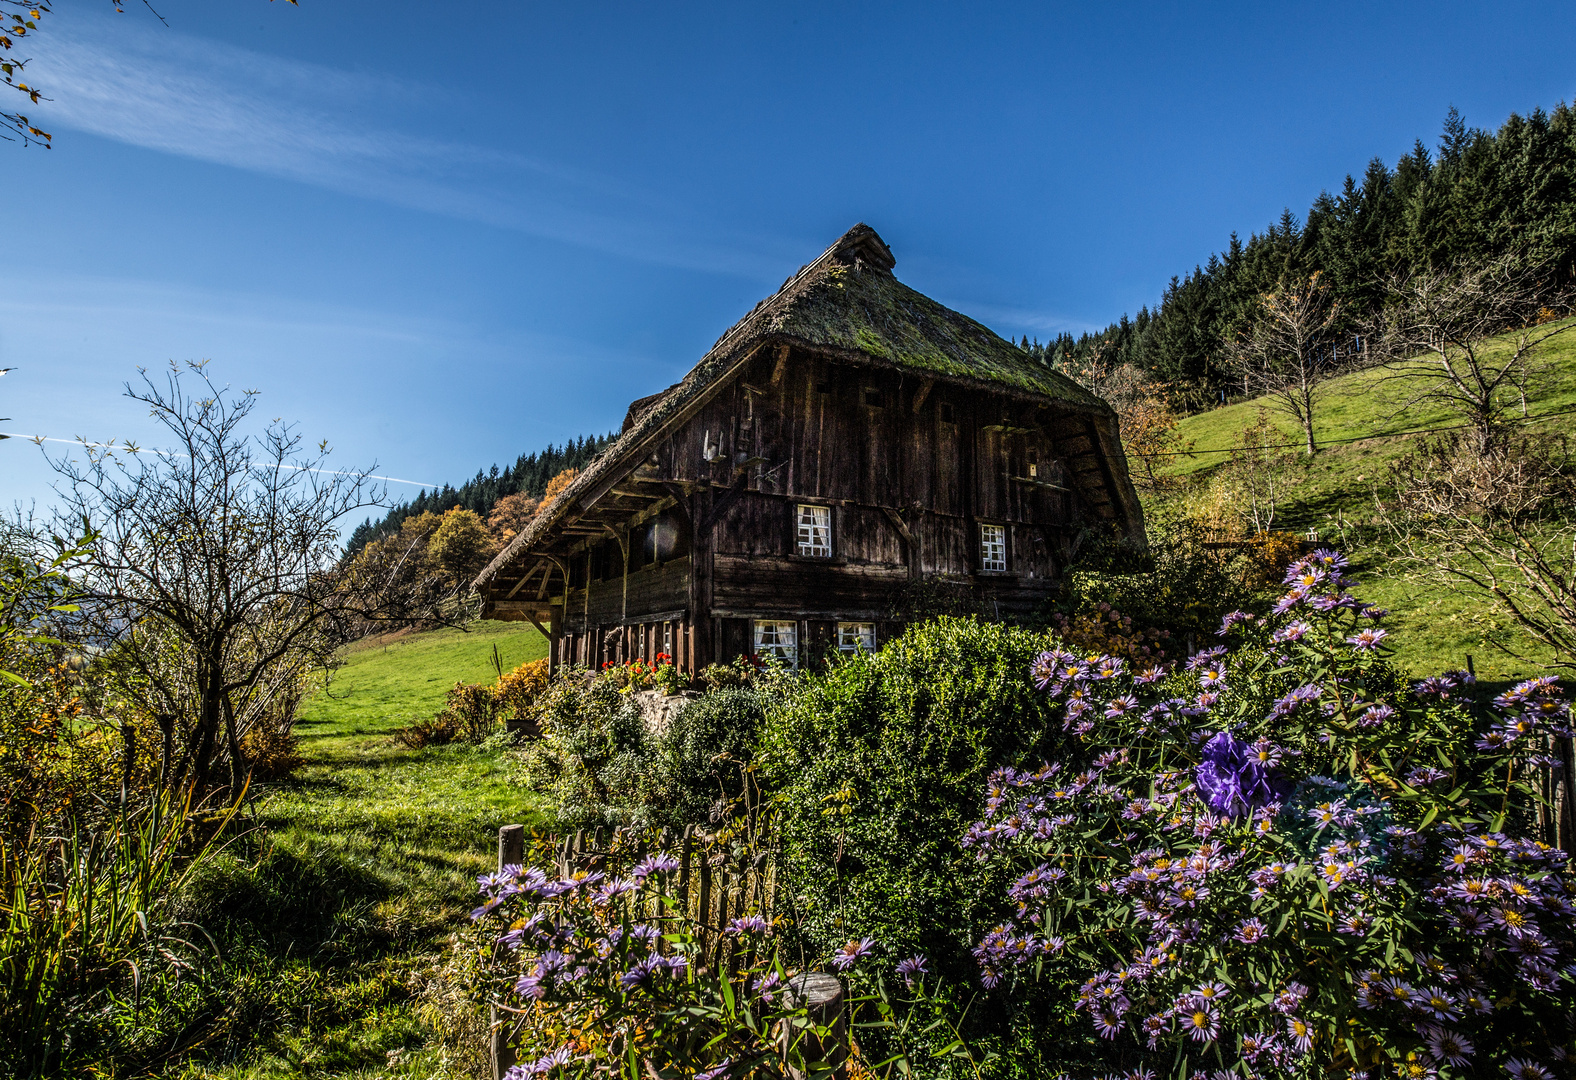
680	503
781	366
921	394
529	574
910	548
724	504
898	524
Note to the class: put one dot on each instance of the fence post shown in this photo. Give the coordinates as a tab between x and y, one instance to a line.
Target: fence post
820	994
511	852
511	846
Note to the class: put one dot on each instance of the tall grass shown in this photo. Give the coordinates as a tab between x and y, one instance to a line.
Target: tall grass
84	914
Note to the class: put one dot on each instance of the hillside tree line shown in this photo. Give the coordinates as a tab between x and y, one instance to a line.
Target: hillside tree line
527	479
1476	197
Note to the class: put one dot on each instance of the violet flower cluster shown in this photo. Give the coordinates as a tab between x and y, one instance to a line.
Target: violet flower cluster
1294	853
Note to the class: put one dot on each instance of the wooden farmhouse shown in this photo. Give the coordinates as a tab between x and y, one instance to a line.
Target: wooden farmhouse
848	439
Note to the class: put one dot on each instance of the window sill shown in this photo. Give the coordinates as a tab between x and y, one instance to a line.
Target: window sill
820	560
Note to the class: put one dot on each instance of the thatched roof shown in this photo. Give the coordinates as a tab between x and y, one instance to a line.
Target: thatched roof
846	305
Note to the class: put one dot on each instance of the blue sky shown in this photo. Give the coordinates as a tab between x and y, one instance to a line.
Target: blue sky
440	236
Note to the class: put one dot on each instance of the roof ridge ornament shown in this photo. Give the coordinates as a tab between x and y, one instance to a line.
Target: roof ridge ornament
863	244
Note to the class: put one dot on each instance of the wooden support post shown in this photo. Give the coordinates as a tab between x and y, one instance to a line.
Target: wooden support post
686	851
703	904
921	394
704	646
511	852
780	368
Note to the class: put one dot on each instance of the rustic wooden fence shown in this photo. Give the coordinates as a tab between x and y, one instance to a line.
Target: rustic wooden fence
716	882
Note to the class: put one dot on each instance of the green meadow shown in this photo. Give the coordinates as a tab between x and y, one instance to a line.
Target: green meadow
336	908
1365	423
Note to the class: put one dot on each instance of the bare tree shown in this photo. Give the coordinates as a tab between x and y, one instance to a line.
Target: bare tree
1256	472
1291	348
213	572
1440	337
1146	416
1495	523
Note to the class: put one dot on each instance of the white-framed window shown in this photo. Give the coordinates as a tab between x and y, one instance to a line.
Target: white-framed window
779	639
815	531
667	640
993	547
856	637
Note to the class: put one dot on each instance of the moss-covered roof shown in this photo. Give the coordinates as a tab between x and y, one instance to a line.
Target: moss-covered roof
853	307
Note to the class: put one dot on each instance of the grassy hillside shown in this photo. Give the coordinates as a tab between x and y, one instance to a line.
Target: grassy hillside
1333	496
336	908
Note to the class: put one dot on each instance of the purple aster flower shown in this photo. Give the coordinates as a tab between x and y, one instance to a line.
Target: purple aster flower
1207	658
1120	705
1292	631
1425	775
1231	778
1300	1033
911	969
1368	639
1522	1069
1107	1022
1290	600
1289	998
1296	699
749	924
1199	1021
655	864
1375	715
1447	1047
1251	931
851	953
718	1073
1232	619
1155	1027
1149	675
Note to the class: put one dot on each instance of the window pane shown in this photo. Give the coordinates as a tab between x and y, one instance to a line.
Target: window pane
815	531
856	636
779	639
993	547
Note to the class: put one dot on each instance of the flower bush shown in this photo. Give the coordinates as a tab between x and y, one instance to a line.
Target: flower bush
1284	860
603	971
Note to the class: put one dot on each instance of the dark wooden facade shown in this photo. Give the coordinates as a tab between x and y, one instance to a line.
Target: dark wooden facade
685	536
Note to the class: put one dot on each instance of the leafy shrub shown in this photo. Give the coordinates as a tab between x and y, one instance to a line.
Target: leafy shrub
439	730
707	748
1285	861
471	714
518	690
595	764
1182	581
875	768
271	752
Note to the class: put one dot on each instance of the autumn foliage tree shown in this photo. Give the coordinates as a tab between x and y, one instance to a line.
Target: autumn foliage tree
1145	410
460	545
511	515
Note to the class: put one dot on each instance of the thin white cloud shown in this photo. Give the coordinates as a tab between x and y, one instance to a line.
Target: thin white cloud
1025	320
200	99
